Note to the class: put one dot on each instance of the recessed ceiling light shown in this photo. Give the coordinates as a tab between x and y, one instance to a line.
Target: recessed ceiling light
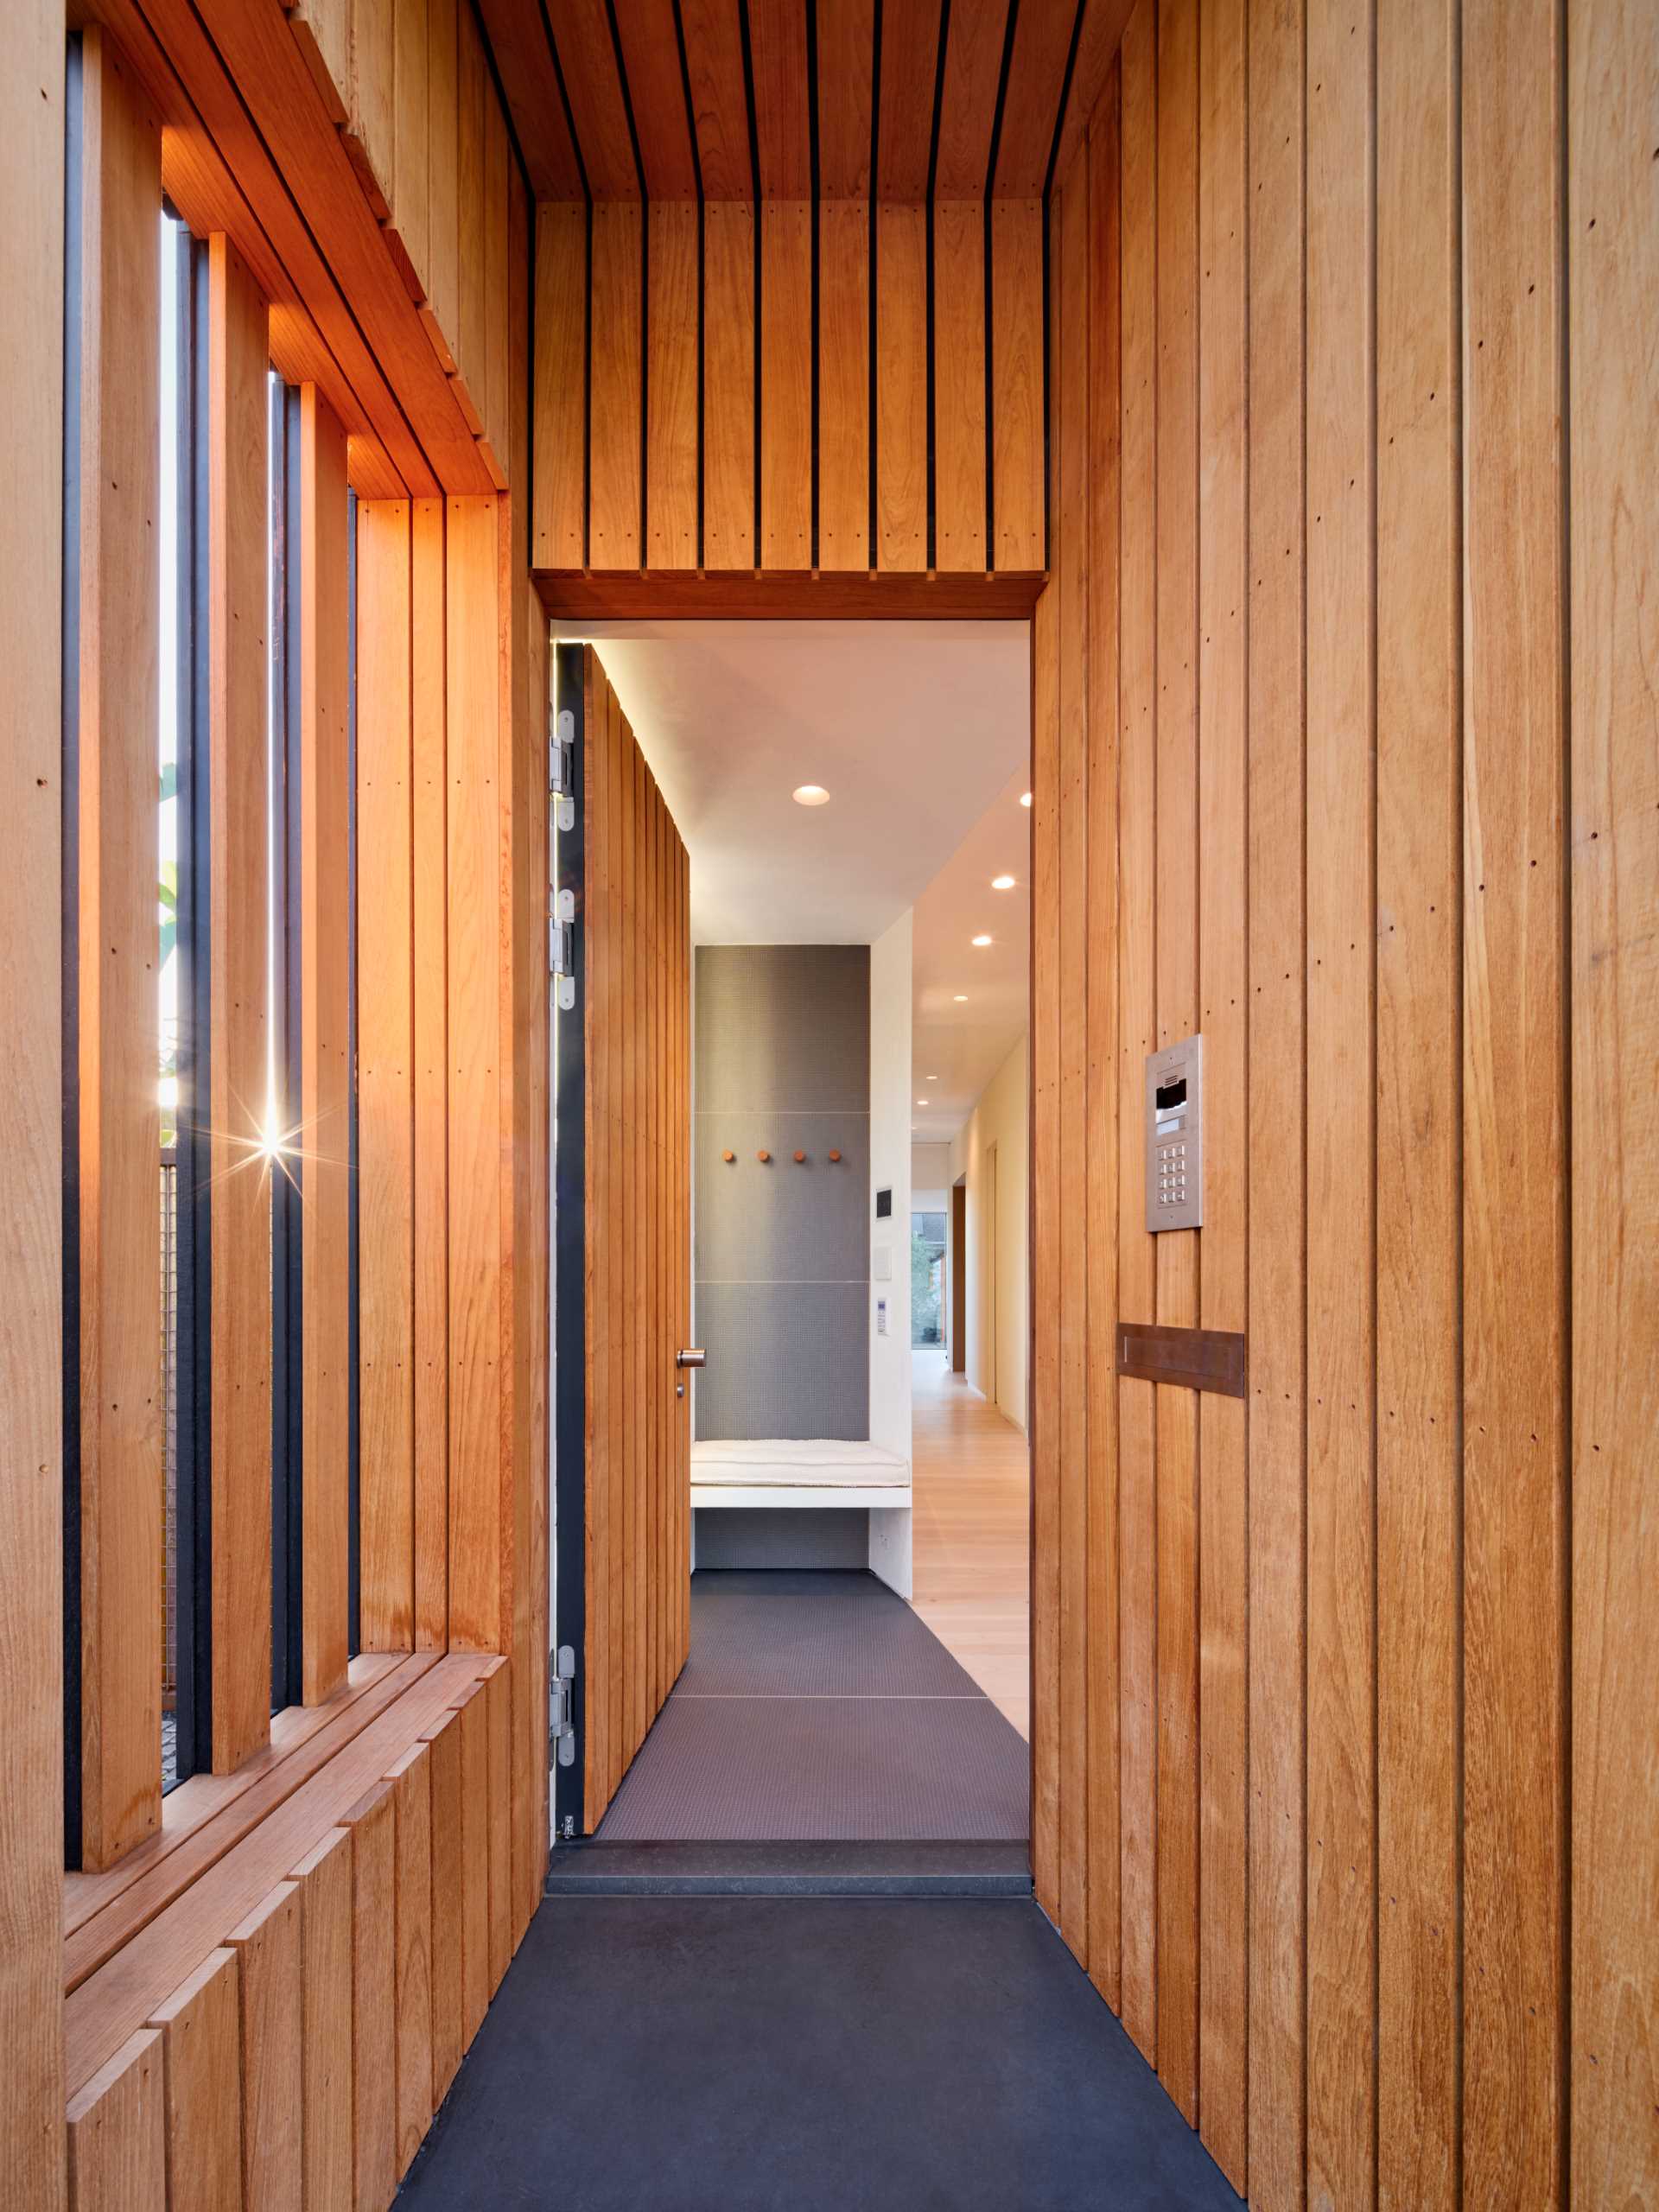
1001	883
961	998
932	1078
921	1102
811	795
1025	798
981	940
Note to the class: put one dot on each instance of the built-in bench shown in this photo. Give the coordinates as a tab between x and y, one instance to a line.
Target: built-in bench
774	1476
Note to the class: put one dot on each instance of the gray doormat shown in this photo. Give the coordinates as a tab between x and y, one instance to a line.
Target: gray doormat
817	1707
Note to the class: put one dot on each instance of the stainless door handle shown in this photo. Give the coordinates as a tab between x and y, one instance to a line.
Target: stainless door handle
691	1356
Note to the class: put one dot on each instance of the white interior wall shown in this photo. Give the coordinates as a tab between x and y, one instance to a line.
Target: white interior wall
930	1177
890	1096
1000	1118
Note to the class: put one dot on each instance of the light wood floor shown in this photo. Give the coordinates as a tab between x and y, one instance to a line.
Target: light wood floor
972	1534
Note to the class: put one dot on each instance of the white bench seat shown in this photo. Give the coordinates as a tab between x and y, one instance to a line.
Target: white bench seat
781	1473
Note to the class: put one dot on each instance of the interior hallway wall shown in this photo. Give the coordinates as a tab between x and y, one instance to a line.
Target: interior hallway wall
890	1096
1002	1119
1345	1731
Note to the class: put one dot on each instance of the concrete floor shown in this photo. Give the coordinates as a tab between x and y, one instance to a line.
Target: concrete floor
785	2054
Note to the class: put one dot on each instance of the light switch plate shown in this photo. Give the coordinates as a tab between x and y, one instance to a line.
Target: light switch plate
881	1264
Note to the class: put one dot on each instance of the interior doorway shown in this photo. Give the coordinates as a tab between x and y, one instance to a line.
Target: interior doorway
827	1655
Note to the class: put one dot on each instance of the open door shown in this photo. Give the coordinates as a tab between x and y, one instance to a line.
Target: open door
622	1257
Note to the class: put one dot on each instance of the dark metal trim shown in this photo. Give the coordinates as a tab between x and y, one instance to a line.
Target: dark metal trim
570	1305
70	974
1194	1359
353	1385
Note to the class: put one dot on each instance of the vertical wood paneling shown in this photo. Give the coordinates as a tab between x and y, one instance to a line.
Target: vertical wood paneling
1514	1138
1103	490
1018	399
325	1076
599	990
728	395
374	1997
200	2045
270	2054
1614	879
117	2132
443	155
1137	988
324	1877
31	1164
447	2043
1418	898
844	340
239	925
473	676
410	231
498	1702
1275	1195
386	1076
901	387
559	528
959	383
613	440
471	1904
1175	1412
467	332
672	449
786	384
412	1779
118	1123
429	816
1071	371
1223	1812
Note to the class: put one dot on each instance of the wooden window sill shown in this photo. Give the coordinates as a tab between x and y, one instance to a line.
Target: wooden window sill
129	1956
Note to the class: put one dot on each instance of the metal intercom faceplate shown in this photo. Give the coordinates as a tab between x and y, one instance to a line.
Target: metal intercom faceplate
1175	1137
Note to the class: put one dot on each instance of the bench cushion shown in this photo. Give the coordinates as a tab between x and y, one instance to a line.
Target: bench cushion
809	1463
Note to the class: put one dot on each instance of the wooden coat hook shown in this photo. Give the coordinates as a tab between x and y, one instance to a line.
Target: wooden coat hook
729	1157
800	1158
835	1157
763	1157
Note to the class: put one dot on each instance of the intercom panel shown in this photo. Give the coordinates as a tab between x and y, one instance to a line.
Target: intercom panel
1175	1137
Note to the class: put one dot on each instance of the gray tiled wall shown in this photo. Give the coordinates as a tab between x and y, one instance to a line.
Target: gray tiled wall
781	1257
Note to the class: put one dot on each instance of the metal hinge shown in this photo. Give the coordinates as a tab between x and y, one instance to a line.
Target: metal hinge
562	769
561	1729
562	947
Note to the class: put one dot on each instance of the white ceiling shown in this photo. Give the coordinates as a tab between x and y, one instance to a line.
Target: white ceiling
920	732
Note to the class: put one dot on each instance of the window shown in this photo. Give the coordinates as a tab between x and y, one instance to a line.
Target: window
926	1279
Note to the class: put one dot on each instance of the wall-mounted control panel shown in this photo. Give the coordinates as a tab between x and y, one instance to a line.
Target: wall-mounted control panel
1175	1137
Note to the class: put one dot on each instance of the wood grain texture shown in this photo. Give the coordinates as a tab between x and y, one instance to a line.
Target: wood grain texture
373	1821
1613	874
778	44
117	1131
787	337
1419	1307
442	312
846	95
498	1701
1223	1565
615	402
524	64
473	1902
959	486
761	595
468	341
239	925
1043	1419
651	55
386	1075
323	1876
270	1964
444	1741
1018	400
581	36
673	458
1031	104
474	677
559	526
973	74
844	384
116	2131
910	47
199	2029
719	114
1514	1259
412	1779
409	230
901	455
729	394
322	1167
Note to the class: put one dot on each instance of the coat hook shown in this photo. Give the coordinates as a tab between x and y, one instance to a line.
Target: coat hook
835	1156
800	1157
763	1157
729	1157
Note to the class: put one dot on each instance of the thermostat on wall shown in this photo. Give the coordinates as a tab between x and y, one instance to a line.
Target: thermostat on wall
884	1205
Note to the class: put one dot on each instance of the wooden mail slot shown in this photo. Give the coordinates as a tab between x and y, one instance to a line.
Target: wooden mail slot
1200	1359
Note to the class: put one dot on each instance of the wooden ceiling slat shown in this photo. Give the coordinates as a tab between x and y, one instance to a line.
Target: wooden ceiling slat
1042	42
720	100
581	30
910	63
1097	44
782	120
972	75
524	60
651	54
846	92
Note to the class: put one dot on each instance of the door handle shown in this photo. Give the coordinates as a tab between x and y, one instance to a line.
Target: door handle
691	1356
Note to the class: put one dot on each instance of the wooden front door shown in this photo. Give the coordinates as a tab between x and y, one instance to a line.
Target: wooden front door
622	1242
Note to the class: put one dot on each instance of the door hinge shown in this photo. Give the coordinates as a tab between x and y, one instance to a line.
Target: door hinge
562	769
562	947
561	1728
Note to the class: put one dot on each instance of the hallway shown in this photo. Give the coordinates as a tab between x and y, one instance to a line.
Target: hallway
971	1473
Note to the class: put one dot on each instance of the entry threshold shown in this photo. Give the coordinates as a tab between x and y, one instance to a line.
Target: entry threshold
790	1869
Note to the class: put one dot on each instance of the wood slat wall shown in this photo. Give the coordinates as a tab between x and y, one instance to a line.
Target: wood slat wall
636	980
115	862
1318	771
631	337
